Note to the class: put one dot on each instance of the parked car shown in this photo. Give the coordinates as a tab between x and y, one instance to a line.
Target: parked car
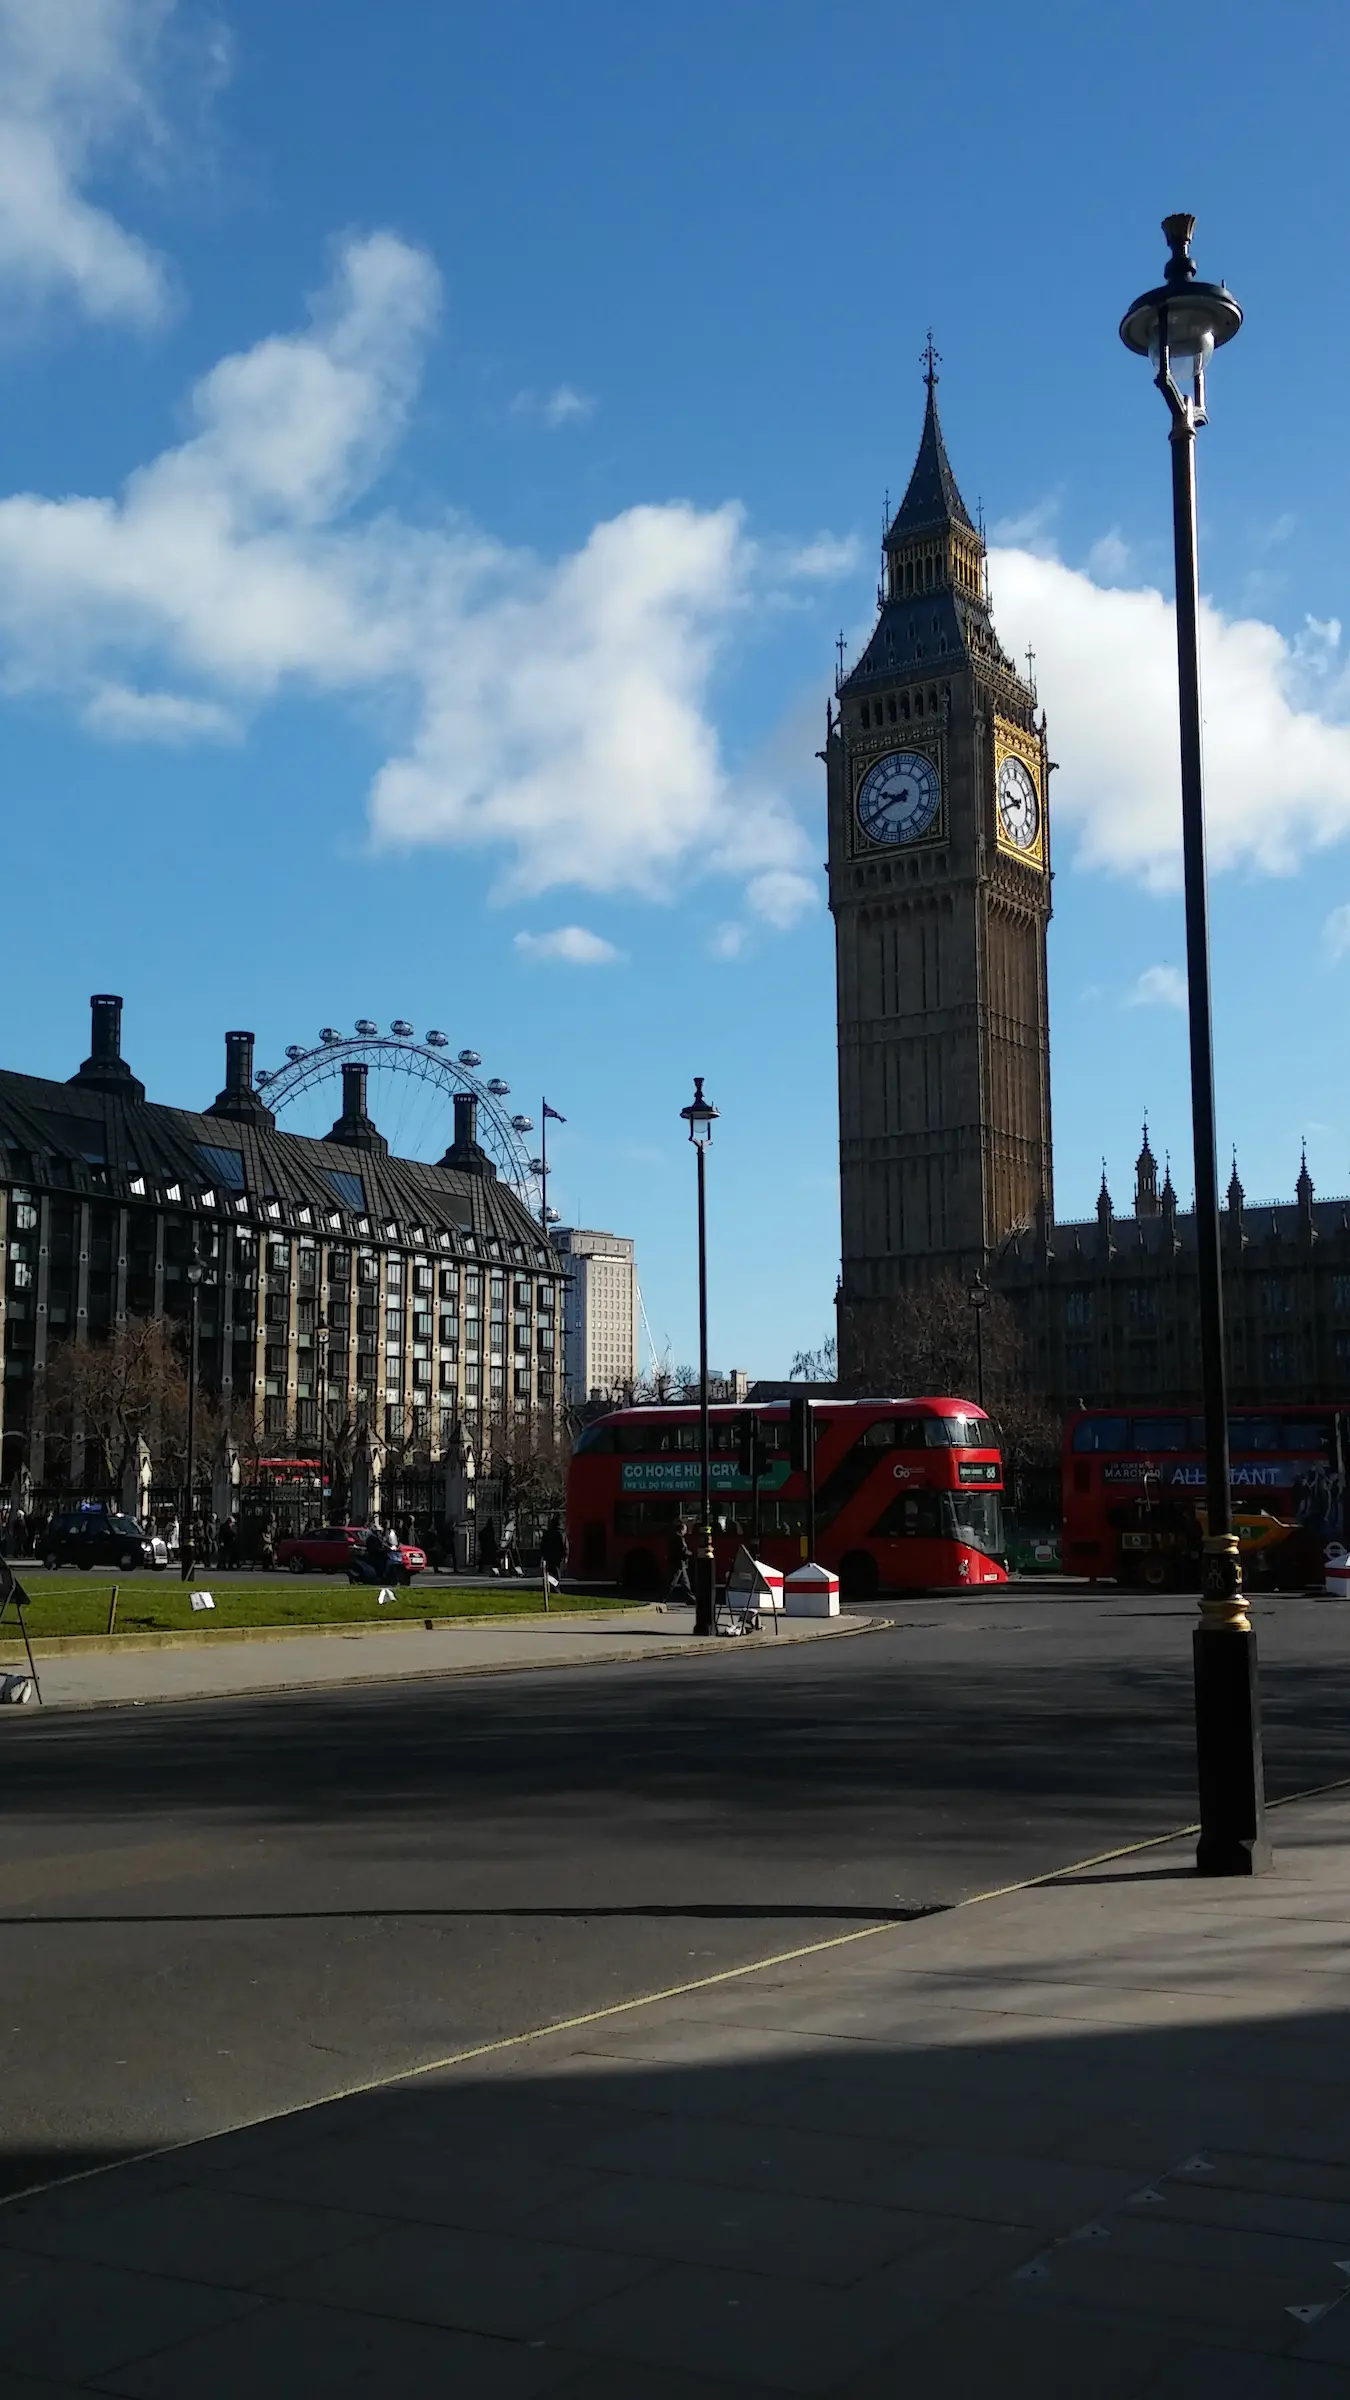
328	1550
95	1537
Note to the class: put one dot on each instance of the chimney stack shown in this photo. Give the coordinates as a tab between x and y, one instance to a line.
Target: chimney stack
354	1128
466	1152
238	1063
105	1068
105	1026
239	1099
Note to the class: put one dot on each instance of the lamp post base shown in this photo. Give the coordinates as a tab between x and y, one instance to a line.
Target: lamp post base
705	1592
1233	1838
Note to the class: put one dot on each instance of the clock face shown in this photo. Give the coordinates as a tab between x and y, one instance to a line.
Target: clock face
1019	810
899	797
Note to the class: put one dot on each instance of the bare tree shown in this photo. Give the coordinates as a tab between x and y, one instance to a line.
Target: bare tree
816	1366
924	1341
118	1386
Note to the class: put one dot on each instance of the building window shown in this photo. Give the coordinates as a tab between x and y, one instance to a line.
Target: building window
423	1278
1275	1295
1141	1304
1343	1349
1078	1306
497	1381
276	1358
1340	1291
274	1416
421	1370
450	1283
449	1374
1278	1354
522	1383
393	1273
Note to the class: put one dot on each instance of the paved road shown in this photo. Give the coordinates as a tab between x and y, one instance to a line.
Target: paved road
217	1910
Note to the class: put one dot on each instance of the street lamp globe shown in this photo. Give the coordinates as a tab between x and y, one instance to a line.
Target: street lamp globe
195	1270
978	1293
699	1116
1182	322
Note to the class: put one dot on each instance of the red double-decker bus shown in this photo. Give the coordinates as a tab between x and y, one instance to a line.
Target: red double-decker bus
908	1494
1134	1493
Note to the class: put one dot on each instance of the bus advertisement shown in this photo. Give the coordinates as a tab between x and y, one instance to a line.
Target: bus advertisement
1134	1493
908	1494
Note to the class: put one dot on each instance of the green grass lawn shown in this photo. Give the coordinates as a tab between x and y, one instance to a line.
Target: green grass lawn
65	1604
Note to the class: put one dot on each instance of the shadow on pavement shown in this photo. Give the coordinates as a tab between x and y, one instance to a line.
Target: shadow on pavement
805	2185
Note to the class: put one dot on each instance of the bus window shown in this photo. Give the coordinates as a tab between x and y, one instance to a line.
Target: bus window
1315	1436
1247	1435
911	1433
881	1434
633	1438
1102	1433
595	1438
1160	1433
975	1518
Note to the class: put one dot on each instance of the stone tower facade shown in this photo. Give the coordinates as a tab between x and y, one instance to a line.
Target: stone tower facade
939	874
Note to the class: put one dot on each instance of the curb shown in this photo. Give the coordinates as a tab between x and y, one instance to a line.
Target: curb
193	1637
687	1648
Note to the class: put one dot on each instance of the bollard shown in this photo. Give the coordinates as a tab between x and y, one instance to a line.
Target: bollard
112	1608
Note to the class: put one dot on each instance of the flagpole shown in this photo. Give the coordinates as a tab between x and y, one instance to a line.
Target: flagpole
543	1172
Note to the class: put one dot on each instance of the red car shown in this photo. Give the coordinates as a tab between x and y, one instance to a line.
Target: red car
329	1550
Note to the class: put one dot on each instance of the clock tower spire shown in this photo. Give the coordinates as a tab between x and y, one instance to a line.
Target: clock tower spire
939	861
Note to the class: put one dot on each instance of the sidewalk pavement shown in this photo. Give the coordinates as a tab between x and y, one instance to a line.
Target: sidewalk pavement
1089	2140
224	1665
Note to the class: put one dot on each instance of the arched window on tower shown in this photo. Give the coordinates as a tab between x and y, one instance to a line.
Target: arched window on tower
890	710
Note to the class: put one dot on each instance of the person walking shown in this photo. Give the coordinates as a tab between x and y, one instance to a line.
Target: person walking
680	1558
488	1555
552	1554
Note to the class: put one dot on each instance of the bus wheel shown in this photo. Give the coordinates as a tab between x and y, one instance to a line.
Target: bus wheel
1155	1573
858	1577
641	1574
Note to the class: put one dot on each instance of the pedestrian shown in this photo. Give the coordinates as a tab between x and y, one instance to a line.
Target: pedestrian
227	1543
187	1553
508	1561
553	1548
679	1556
488	1555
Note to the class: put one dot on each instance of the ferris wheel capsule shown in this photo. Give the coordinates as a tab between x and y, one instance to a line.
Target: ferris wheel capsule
438	1041
296	1050
499	1087
367	1026
263	1076
330	1034
401	1027
470	1058
553	1216
522	1124
536	1166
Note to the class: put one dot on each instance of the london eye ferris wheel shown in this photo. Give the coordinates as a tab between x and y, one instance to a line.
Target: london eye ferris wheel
412	1082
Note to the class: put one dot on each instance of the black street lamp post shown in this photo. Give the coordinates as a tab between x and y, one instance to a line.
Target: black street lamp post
978	1296
195	1272
321	1388
699	1117
1178	326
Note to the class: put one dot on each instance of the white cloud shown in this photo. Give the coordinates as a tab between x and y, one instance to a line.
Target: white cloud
825	558
551	713
1277	760
121	714
1336	930
1109	557
74	80
727	941
571	944
781	896
1158	987
564	405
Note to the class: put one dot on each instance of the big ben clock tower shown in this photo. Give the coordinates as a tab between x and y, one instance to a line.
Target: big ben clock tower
939	868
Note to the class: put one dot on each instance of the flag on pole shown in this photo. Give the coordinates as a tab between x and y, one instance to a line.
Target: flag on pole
555	1113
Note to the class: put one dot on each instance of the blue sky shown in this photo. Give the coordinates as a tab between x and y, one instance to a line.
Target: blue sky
441	446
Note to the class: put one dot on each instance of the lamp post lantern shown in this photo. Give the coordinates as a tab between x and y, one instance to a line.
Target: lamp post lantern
1178	326
700	1116
195	1272
978	1296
